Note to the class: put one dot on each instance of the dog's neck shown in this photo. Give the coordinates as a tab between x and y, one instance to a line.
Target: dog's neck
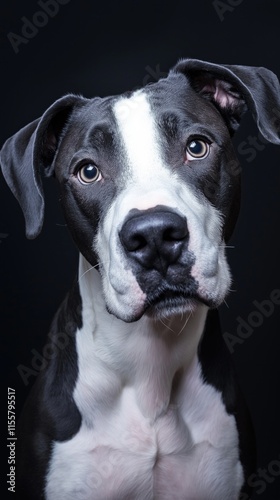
150	356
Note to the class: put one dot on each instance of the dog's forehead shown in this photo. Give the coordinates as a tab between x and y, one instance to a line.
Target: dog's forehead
168	99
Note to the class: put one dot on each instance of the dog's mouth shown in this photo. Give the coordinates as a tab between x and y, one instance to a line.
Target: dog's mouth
172	300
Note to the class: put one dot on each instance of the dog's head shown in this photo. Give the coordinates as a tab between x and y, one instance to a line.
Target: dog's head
149	181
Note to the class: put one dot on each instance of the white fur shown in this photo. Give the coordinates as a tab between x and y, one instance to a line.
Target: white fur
142	437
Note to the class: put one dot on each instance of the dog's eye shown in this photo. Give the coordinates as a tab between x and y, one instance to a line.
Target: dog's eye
197	149
88	173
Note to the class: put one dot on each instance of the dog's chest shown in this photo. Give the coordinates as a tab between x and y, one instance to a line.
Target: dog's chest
190	451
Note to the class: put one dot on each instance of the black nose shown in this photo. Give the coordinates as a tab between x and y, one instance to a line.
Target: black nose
154	238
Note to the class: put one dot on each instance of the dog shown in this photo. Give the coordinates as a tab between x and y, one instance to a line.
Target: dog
141	402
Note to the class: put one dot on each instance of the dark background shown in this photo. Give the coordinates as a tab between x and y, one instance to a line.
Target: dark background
101	48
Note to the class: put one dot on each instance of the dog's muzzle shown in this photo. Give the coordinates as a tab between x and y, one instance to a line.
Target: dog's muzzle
155	244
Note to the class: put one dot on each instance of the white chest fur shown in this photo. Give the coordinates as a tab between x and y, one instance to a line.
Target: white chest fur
189	452
151	428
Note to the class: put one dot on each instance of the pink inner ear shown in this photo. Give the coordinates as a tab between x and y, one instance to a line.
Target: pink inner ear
221	93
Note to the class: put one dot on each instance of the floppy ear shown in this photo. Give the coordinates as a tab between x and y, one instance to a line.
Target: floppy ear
27	152
233	89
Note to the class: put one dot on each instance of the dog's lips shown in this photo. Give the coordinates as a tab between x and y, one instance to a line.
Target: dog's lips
172	299
165	302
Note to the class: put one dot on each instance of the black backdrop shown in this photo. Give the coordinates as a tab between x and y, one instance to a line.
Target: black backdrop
101	48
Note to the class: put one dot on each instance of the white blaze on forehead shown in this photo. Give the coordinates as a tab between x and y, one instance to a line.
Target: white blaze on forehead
137	128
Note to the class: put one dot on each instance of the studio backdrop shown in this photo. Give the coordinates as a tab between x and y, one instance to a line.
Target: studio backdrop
53	47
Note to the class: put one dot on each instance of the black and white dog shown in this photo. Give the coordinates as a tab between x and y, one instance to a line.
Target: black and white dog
141	403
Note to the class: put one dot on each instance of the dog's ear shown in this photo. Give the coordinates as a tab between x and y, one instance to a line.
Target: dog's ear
31	151
234	89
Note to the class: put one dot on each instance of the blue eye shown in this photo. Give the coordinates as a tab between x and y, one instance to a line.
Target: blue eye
197	149
88	173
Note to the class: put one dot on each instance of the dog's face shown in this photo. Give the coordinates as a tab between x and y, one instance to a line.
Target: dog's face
150	189
147	195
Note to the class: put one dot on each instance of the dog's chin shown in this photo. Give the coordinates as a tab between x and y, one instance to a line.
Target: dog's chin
170	304
163	307
170	307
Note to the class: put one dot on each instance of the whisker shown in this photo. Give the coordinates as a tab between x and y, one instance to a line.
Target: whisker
90	269
186	322
166	326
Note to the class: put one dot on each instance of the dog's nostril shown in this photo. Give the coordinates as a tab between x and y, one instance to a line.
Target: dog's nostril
167	235
138	241
135	242
175	233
